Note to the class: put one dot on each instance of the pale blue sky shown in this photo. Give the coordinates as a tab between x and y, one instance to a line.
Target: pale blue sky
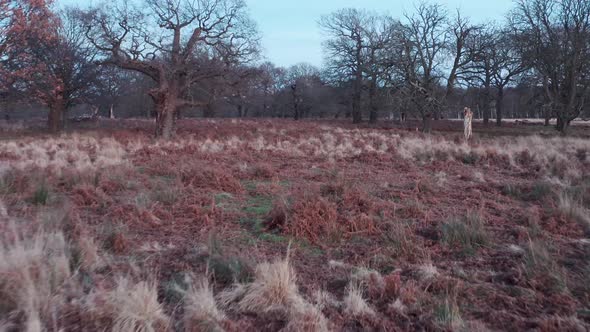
290	32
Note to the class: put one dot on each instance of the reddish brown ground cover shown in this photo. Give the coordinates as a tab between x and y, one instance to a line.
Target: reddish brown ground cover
440	235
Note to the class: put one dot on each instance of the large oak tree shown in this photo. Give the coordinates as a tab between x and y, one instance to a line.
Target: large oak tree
177	43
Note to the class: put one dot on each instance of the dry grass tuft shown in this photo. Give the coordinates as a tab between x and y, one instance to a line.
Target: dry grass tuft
89	258
305	317
200	308
542	271
230	296
136	307
274	288
355	304
574	211
32	273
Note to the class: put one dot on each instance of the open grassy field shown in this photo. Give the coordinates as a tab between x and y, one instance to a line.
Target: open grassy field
259	225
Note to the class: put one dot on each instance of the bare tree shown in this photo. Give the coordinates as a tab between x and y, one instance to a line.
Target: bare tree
506	66
344	50
174	42
425	39
463	35
556	43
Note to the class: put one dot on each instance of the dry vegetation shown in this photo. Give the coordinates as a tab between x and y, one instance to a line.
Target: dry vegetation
265	226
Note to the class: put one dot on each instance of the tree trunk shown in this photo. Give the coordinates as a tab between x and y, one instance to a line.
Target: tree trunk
562	125
165	112
427	123
487	112
55	117
372	102
499	100
209	111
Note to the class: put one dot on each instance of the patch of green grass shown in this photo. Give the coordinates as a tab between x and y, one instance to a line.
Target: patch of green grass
537	192
272	237
467	233
41	195
256	209
470	158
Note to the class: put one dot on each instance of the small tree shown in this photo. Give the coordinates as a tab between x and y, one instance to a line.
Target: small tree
67	72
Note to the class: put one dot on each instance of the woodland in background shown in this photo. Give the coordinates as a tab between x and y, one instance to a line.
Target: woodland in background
170	59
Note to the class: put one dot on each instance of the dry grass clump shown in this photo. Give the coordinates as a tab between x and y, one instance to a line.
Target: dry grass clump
541	270
552	156
135	307
306	317
371	279
87	251
32	273
274	289
77	152
201	312
448	315
574	211
354	302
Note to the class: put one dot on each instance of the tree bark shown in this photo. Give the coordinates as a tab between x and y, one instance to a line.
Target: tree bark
55	117
372	101
165	112
209	111
427	123
499	99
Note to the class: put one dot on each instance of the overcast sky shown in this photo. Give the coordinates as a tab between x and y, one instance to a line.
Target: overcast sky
290	32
